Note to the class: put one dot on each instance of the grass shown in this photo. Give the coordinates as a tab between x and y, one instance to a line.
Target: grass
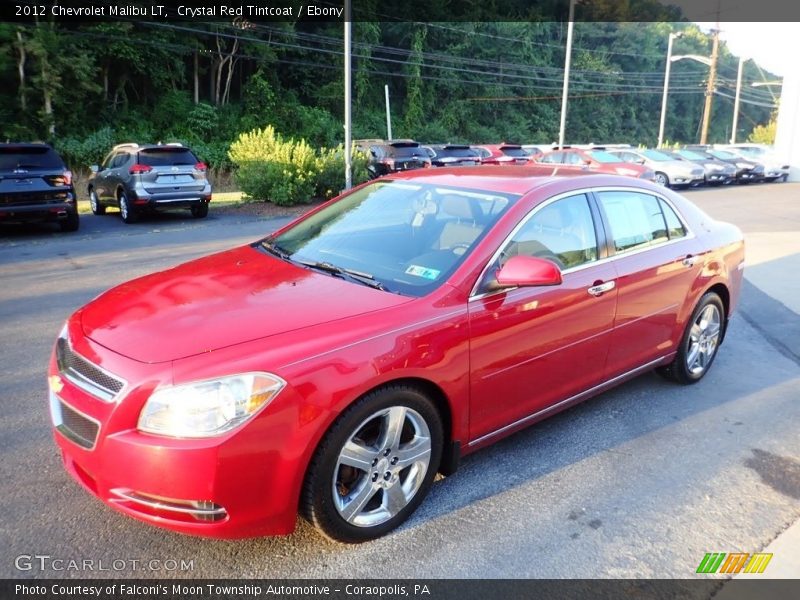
217	199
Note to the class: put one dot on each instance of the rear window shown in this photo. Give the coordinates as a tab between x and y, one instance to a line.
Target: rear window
21	157
512	151
406	151
167	157
457	152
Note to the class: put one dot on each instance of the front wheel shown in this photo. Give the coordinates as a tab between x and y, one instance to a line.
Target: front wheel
94	202
662	179
699	343
374	466
126	211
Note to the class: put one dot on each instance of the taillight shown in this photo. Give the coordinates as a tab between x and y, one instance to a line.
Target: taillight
201	166
139	168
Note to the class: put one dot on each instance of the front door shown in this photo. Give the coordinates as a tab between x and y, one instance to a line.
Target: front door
532	347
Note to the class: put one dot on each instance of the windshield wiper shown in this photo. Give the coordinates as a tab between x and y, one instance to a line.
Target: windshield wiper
357	276
276	250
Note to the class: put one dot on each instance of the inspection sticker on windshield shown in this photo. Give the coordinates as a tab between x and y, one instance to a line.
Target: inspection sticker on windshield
423	272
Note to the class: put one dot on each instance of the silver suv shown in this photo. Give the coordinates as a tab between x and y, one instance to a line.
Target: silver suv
152	177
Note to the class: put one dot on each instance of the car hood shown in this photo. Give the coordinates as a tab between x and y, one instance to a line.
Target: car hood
224	299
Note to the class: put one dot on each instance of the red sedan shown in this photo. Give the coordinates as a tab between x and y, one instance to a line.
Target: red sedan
503	154
596	160
334	367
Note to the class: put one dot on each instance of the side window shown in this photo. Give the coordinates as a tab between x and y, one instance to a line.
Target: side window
119	160
108	160
553	157
562	232
675	228
636	219
573	158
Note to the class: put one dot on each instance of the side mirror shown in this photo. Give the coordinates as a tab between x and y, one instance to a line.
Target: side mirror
640	161
528	271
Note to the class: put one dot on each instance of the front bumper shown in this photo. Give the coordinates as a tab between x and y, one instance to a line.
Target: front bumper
242	484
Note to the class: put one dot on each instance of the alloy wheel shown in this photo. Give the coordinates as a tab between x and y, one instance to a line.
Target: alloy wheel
381	466
703	339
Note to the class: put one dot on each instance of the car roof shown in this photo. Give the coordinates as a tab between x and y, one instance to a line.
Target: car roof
510	179
24	145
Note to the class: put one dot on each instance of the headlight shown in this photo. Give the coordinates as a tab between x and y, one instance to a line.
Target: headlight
208	408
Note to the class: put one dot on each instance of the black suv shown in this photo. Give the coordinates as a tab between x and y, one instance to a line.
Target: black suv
36	186
150	177
398	155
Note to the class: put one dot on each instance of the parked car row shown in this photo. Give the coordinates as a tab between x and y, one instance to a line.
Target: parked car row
690	166
37	187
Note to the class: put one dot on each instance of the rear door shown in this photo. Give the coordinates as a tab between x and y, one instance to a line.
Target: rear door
656	263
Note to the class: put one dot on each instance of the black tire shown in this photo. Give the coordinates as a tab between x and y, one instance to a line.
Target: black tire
126	210
94	202
330	487
200	211
661	179
679	369
71	223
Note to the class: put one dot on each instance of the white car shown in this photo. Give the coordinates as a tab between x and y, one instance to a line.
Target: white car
774	167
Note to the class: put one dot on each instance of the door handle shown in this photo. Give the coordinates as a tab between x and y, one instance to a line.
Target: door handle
689	261
601	288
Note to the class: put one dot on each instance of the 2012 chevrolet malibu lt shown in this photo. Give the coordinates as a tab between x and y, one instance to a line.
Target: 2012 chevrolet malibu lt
334	367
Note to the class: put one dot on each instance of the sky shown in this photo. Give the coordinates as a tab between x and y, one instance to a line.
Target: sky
774	46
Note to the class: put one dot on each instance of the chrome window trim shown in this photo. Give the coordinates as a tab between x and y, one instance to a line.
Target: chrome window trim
474	295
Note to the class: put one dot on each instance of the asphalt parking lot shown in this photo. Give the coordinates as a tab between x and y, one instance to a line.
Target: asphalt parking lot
639	482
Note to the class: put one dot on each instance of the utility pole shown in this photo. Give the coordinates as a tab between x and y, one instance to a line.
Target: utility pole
736	102
672	37
567	61
348	121
710	88
388	114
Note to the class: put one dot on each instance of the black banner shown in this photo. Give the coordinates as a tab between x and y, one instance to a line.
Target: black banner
405	10
337	589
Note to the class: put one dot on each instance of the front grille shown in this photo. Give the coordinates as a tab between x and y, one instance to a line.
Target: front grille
86	375
77	427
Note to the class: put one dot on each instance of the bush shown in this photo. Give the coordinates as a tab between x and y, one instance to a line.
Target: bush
287	171
80	153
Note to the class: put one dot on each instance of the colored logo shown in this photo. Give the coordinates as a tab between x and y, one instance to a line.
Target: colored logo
720	562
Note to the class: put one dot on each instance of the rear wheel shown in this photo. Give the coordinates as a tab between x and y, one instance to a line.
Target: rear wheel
126	211
94	202
200	211
374	466
71	223
699	343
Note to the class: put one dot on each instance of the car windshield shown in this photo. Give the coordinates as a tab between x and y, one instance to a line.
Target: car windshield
723	154
656	155
29	157
406	236
752	151
167	157
603	157
689	155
